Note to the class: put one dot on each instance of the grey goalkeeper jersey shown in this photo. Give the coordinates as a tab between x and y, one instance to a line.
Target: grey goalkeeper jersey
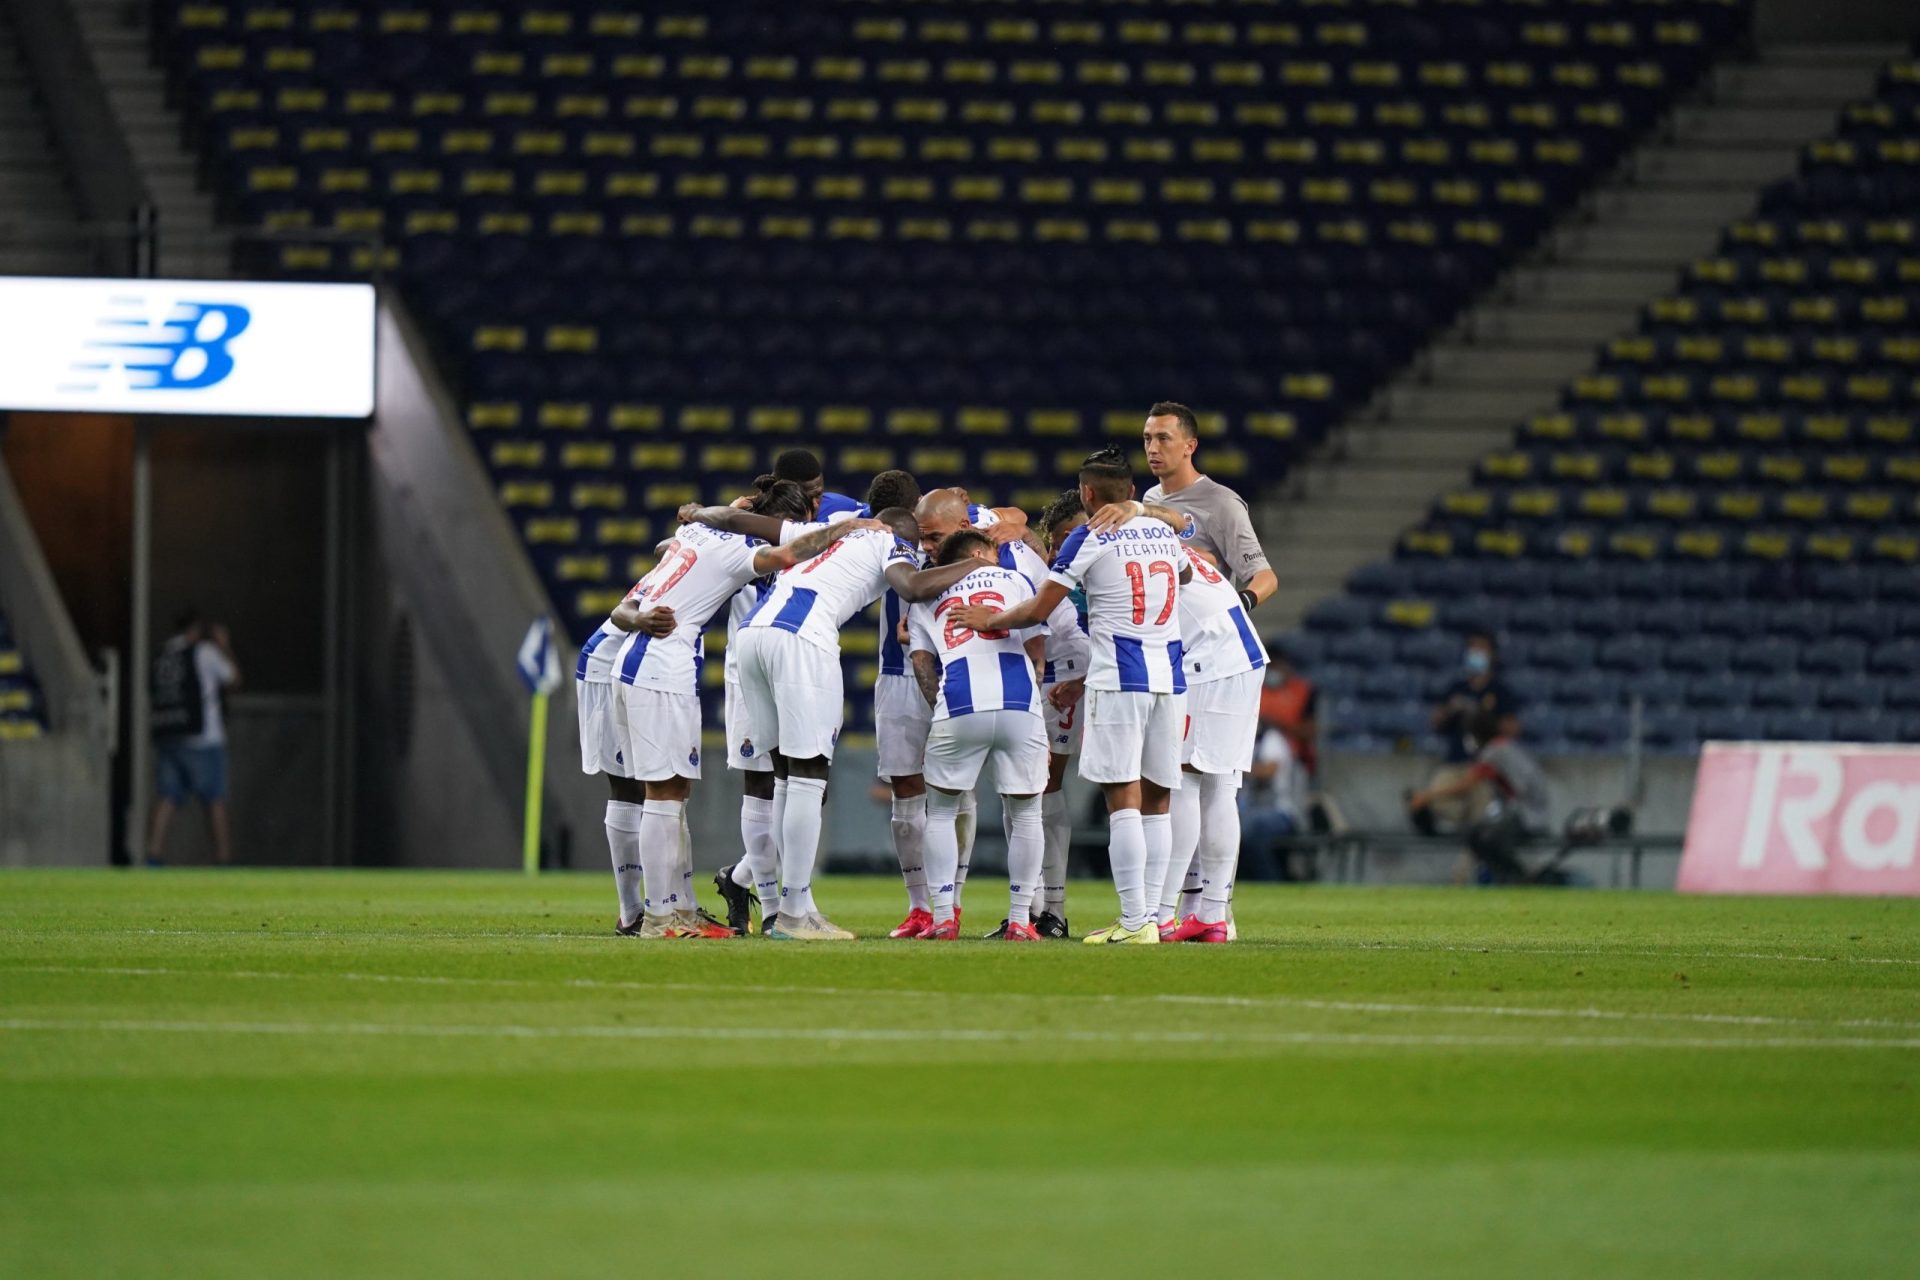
1218	524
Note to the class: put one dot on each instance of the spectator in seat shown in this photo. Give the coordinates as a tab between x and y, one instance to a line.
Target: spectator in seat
1517	804
191	677
1272	806
1477	688
1290	703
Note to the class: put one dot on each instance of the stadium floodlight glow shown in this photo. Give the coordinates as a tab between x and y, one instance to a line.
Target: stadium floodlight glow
187	347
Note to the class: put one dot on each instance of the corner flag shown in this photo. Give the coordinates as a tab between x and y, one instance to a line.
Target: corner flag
539	668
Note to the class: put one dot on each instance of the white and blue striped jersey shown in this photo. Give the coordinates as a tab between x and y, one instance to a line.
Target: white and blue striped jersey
815	598
893	655
1066	625
595	664
737	610
1132	580
1216	638
697	573
980	670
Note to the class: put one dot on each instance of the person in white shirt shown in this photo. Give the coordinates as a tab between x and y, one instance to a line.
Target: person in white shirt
603	748
791	687
901	719
191	676
1062	686
1136	683
699	570
1224	661
982	688
1271	806
757	874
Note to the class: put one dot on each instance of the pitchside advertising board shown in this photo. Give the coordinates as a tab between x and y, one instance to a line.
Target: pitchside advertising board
187	346
1804	818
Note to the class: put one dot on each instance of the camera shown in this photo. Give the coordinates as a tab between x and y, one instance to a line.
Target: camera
1592	825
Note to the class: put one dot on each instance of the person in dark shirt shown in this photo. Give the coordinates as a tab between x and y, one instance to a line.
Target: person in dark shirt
1476	689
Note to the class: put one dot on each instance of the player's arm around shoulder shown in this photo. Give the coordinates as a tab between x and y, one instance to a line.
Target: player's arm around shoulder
771	559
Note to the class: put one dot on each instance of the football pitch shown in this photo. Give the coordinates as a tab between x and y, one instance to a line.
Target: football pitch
385	1073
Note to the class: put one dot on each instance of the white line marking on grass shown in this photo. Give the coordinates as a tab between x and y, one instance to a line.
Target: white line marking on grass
1586	1013
1288	944
953	1035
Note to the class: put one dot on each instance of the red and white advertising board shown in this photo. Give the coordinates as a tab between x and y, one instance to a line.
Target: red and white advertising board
1804	817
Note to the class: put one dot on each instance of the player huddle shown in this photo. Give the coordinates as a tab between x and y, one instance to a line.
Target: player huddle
1116	629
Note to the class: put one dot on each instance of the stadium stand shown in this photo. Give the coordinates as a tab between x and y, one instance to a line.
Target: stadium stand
653	248
1721	518
23	712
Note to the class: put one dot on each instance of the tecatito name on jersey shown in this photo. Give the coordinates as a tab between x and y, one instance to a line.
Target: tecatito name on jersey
815	598
981	670
1132	580
698	571
1216	639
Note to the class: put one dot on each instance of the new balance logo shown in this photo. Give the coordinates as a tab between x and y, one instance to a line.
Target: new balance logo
185	352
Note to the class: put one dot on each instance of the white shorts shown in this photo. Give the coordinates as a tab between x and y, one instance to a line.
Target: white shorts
663	733
902	720
740	752
1063	727
792	693
603	728
1223	718
1131	736
1015	742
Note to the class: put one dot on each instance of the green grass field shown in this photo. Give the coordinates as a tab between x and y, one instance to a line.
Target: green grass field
359	1074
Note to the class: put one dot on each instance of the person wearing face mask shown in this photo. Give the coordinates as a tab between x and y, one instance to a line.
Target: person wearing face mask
1476	689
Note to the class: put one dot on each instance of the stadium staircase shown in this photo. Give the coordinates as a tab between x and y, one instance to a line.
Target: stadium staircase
191	241
37	209
1511	355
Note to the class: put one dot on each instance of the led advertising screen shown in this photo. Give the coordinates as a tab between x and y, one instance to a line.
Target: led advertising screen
187	347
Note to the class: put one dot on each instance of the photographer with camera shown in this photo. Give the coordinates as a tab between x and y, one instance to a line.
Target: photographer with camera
1477	688
1517	809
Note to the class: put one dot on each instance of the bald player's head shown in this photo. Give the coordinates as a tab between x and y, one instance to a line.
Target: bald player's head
940	514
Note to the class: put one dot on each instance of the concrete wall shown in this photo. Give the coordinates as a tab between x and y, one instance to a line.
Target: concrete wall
53	789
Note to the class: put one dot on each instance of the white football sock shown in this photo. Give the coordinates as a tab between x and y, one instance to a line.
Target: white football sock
909	839
759	869
799	842
778	829
1157	830
942	853
1057	824
1127	851
687	901
660	855
1190	889
1026	850
1219	843
1183	807
623	840
965	827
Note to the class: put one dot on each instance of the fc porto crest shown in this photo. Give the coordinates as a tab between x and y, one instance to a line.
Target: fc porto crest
1191	529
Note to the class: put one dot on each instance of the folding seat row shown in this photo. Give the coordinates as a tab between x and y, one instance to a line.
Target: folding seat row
1891	387
1680	483
1822	426
1659	508
1727	313
1765	348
